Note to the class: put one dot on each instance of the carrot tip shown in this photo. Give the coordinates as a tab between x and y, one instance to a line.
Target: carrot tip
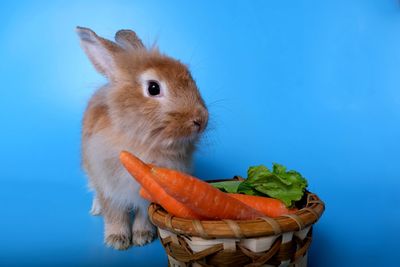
123	155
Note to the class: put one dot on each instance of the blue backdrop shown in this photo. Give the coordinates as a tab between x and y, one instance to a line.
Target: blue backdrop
313	85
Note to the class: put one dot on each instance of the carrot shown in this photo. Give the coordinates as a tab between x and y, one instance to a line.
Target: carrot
146	195
270	207
177	205
203	198
144	176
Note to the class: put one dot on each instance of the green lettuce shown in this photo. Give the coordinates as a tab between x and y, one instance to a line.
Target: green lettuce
227	186
287	186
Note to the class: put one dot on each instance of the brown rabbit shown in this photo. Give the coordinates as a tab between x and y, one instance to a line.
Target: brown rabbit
150	107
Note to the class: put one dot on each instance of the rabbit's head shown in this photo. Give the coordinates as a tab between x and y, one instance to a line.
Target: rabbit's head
150	96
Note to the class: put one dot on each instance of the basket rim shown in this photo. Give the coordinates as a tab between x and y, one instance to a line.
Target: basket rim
264	226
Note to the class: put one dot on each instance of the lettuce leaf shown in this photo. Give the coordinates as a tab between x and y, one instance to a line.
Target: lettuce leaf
287	186
227	186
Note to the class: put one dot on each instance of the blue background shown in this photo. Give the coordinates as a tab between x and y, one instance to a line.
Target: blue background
313	85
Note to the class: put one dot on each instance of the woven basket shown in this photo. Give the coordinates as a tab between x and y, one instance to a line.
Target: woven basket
281	241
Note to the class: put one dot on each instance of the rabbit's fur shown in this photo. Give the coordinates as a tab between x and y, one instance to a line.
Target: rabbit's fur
123	115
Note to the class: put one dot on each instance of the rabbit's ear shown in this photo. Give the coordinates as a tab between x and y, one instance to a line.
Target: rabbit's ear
101	52
128	40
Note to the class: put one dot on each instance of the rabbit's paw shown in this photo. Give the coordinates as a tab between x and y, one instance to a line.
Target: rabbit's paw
140	238
118	241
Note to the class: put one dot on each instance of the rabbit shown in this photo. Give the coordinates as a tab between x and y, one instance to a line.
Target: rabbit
151	106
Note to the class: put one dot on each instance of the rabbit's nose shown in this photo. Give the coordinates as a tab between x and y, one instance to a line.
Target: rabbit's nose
197	123
199	119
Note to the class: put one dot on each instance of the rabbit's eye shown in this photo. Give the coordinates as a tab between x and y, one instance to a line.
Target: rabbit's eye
153	88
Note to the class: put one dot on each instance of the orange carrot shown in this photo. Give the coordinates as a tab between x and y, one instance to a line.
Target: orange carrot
146	195
203	198
270	207
143	175
182	208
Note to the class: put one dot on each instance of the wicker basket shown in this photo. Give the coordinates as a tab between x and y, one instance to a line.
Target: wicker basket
282	241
